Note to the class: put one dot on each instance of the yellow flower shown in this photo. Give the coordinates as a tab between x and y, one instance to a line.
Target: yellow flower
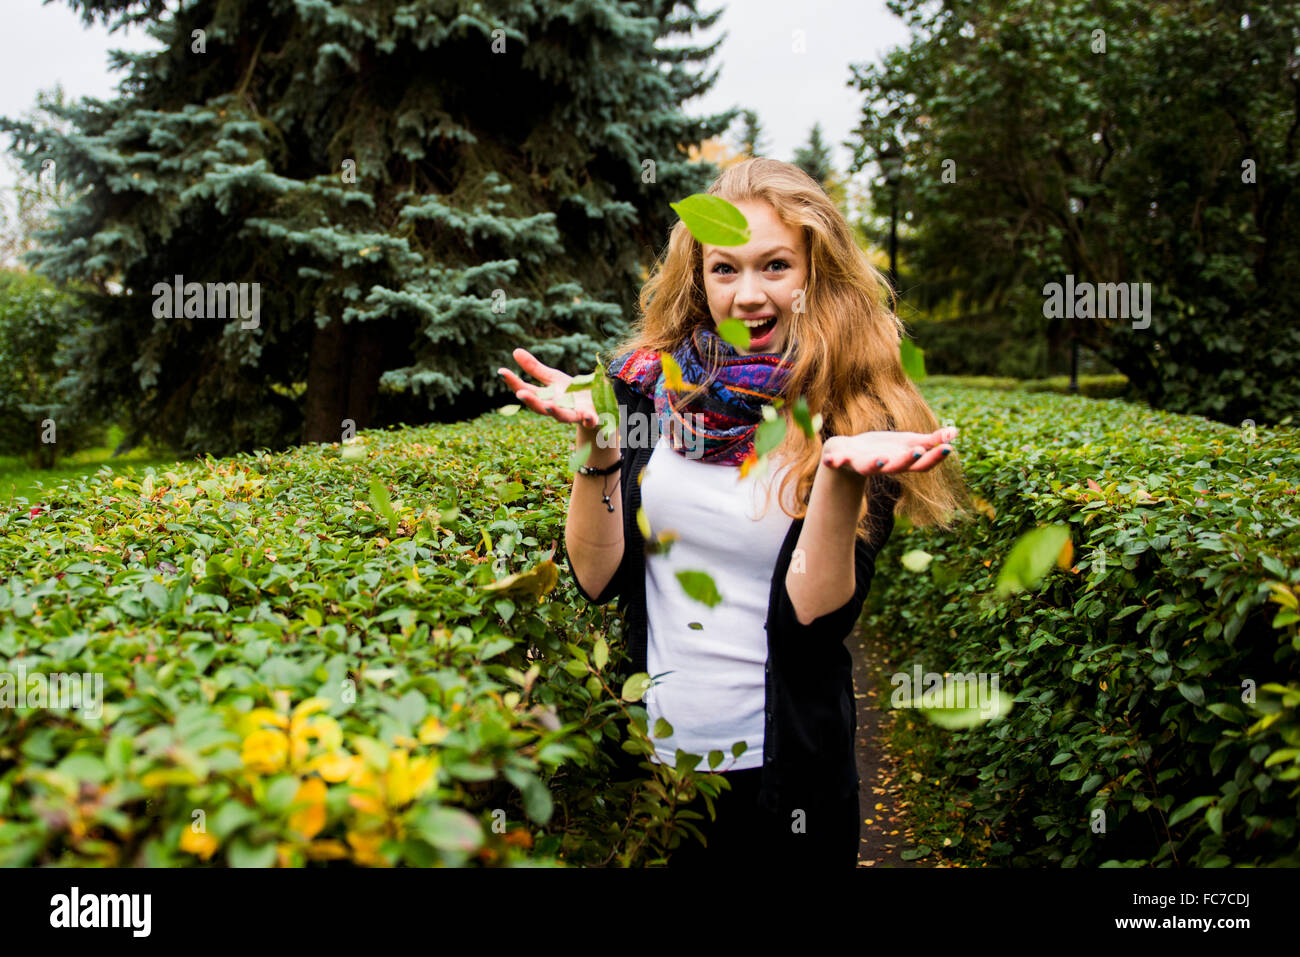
201	845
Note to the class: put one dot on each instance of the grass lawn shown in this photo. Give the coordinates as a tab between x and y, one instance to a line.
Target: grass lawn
18	481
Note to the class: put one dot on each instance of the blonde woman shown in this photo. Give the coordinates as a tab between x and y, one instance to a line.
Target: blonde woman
766	665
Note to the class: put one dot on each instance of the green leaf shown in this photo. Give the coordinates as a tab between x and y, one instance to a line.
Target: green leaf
913	359
662	729
243	854
579	458
600	653
635	686
810	425
380	502
449	829
605	402
1190	808
156	594
715	758
713	220
997	705
700	587
735	332
739	748
916	560
769	436
538	803
1031	557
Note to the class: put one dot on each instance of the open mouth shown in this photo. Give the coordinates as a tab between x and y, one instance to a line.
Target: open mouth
760	331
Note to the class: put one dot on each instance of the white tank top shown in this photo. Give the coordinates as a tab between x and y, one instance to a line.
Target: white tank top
715	693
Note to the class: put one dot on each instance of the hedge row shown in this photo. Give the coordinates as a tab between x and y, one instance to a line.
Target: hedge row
1114	386
1157	678
301	666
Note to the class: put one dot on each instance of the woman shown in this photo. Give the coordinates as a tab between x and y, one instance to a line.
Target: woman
767	665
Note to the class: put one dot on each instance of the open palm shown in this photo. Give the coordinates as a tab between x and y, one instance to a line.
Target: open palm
868	453
583	410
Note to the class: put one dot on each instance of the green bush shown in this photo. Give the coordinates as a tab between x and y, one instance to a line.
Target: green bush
1092	386
299	666
1132	668
36	320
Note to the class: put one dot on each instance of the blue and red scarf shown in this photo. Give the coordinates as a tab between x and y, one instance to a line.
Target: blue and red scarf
726	416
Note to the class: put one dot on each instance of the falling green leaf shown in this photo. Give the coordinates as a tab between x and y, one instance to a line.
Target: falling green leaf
735	332
699	586
810	425
1030	558
380	502
509	409
913	358
996	705
916	560
768	436
579	458
713	220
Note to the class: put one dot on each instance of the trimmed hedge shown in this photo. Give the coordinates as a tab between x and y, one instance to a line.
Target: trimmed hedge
1133	670
1093	386
298	666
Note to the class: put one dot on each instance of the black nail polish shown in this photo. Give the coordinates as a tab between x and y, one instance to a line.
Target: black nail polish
880	462
916	455
946	451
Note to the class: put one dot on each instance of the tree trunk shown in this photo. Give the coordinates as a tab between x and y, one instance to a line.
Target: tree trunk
343	373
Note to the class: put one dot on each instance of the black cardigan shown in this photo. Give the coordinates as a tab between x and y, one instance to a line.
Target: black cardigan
811	718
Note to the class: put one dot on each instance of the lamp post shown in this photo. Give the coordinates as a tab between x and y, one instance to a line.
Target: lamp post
891	165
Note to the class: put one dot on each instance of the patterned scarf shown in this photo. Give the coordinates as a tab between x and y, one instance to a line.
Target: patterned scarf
728	413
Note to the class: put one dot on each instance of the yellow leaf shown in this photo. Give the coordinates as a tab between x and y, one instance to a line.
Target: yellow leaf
537	581
265	751
433	731
1067	554
200	845
334	767
672	373
309	819
365	847
327	850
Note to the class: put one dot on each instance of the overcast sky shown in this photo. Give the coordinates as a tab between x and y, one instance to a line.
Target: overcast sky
45	44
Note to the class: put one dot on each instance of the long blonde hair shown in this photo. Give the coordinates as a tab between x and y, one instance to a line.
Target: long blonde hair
846	364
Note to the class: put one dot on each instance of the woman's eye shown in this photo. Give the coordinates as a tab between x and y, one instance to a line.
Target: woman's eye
775	262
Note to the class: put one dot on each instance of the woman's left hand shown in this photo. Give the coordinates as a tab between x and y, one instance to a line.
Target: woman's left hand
868	453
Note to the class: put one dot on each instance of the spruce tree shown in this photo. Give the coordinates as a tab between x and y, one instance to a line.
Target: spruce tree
402	191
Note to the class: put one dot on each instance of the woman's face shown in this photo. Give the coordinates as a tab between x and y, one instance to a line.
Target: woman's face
757	282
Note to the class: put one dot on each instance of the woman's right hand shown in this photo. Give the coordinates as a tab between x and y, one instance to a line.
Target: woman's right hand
583	411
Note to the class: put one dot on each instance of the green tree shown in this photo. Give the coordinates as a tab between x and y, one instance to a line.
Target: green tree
751	134
815	158
36	373
404	191
1120	142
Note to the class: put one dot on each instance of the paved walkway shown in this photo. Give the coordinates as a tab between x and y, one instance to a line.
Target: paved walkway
885	831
